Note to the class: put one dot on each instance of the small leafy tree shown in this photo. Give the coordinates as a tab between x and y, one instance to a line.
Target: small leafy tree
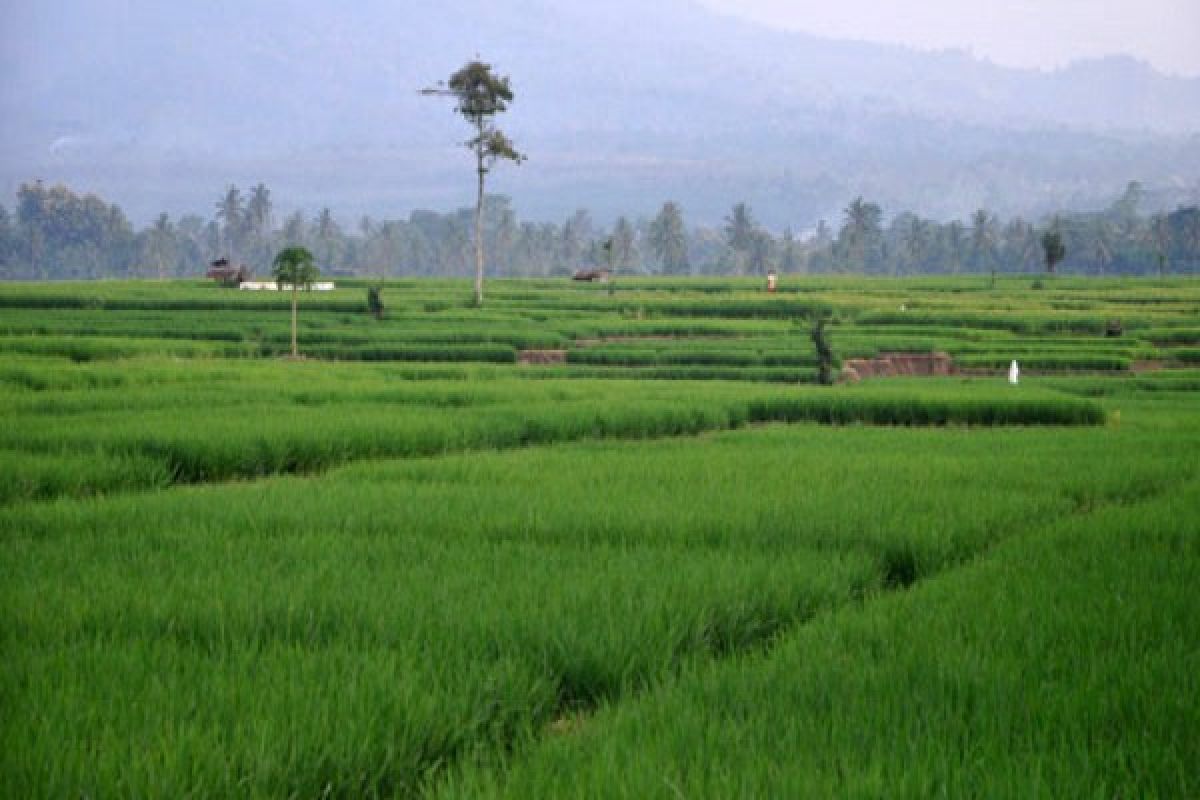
480	95
375	301
294	266
820	338
1053	248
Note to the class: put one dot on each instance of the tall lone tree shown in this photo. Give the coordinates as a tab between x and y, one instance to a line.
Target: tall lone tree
480	95
294	266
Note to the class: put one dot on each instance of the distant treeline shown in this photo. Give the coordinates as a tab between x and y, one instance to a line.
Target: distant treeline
58	234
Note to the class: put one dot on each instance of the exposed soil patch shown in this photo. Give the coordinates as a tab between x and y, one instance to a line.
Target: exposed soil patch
650	337
890	365
542	357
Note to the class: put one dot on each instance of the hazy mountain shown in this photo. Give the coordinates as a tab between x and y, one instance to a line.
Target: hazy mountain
620	105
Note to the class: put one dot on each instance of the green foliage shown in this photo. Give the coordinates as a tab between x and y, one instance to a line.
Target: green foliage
63	234
42	476
859	245
258	420
668	240
455	615
1046	360
1048	661
1053	248
60	234
294	269
375	301
1187	355
820	339
597	577
649	323
479	92
1172	336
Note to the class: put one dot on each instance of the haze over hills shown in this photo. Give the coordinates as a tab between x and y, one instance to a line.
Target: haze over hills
619	105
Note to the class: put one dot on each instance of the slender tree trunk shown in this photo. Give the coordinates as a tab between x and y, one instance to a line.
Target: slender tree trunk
295	349
34	253
479	236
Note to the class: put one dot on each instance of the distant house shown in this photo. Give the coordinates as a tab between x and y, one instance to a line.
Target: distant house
592	275
227	274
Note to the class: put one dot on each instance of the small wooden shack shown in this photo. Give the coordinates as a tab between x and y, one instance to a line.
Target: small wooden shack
227	274
592	275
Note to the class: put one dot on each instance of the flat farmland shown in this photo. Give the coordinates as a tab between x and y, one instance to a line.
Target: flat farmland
663	562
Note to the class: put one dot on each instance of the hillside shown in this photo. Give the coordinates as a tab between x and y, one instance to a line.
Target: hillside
620	106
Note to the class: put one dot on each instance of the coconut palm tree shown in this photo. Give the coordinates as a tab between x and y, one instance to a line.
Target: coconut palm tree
739	230
1103	250
983	242
258	211
1158	235
955	244
231	213
860	239
668	239
327	233
294	266
918	239
162	237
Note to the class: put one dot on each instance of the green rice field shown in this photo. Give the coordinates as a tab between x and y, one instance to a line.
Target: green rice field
600	541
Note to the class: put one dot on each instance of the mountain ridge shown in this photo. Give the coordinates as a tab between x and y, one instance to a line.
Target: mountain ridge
620	106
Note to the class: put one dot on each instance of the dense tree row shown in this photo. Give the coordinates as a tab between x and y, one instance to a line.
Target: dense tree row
56	233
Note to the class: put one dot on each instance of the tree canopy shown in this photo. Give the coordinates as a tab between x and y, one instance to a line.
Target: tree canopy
294	266
53	232
1053	248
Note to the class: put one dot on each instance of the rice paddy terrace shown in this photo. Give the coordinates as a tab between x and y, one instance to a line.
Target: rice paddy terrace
601	540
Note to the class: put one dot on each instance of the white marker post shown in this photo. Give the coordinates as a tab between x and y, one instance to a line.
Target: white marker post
1014	373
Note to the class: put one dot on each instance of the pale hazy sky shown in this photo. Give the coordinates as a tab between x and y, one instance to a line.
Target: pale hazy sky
1022	33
